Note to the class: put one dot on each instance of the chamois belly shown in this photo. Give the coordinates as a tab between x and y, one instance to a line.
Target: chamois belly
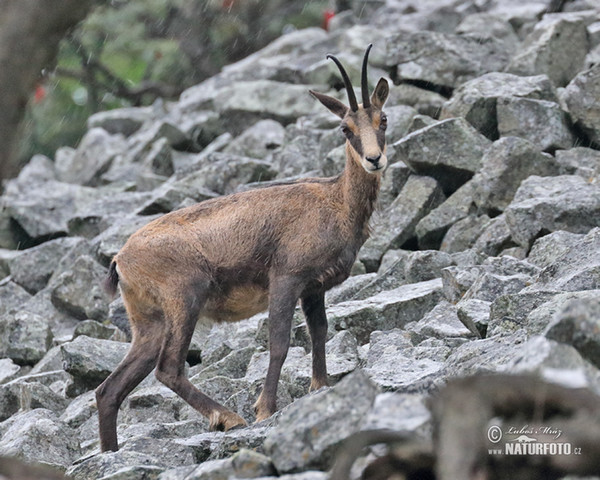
239	303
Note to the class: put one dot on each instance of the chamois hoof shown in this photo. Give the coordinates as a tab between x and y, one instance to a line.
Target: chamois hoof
316	385
222	421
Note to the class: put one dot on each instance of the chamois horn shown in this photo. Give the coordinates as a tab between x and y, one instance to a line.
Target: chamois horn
364	84
347	83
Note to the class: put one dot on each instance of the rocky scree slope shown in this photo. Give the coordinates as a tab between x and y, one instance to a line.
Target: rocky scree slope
485	253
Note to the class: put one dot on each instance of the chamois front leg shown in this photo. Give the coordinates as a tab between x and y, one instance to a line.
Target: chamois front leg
283	296
316	320
181	316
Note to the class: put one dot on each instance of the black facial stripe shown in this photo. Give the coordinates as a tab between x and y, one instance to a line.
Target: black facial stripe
380	138
356	144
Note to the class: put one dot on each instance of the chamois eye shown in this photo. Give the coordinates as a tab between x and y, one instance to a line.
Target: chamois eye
383	121
346	130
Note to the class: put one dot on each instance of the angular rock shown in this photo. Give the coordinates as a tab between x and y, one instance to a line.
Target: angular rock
78	291
495	237
426	102
509	313
549	248
464	233
397	224
475	315
160	158
125	121
581	161
107	464
489	286
426	265
258	141
349	289
431	229
392	365
487	25
547	204
91	360
44	212
389	309
37	436
224	173
449	151
92	157
557	47
581	97
505	165
576	323
442	322
521	117
577	269
476	100
443	59
400	117
8	370
400	412
243	102
312	428
24	337
33	267
457	280
12	296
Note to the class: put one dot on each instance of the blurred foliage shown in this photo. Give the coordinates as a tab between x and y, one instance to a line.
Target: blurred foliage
129	52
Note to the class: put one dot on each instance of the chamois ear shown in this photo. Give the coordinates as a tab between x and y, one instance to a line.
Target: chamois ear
380	94
332	104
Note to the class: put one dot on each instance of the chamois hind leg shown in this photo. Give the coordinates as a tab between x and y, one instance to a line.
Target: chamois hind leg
137	364
181	316
283	296
314	311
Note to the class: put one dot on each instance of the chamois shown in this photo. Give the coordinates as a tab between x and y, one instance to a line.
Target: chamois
228	258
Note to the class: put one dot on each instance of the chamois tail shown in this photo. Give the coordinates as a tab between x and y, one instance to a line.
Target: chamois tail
112	279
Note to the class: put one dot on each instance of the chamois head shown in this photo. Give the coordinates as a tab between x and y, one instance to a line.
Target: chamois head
363	124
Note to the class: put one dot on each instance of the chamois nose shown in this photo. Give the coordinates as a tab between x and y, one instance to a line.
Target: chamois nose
374	160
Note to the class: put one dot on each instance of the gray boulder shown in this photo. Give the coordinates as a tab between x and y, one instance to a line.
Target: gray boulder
24	337
581	97
464	233
576	323
431	229
449	151
547	204
8	370
488	25
389	309
92	157
577	269
476	100
394	364
224	173
393	227
250	101
258	141
505	165
310	430
33	267
521	117
125	121
443	59
45	211
581	161
90	360
495	237
549	248
37	436
557	47
12	296
475	315
78	291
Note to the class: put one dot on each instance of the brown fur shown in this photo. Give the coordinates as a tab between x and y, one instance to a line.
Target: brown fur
228	258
